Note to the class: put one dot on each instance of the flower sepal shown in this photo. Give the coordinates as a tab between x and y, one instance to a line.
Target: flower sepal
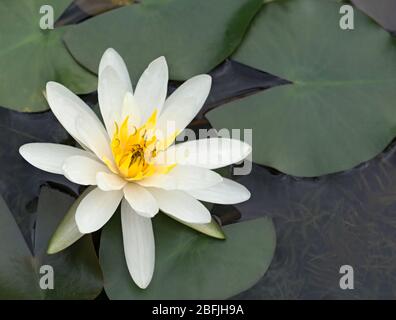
67	231
211	229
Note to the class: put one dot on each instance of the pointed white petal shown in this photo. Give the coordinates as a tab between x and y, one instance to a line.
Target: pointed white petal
111	94
210	153
183	178
82	170
114	60
181	206
139	245
184	104
152	88
67	108
131	109
96	209
97	141
50	156
109	181
226	192
141	200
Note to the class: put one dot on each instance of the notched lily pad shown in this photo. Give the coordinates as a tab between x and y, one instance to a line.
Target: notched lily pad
30	56
77	274
233	80
341	108
188	264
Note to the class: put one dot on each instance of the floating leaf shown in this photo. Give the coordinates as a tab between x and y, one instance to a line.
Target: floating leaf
30	56
194	36
77	273
189	265
340	109
232	80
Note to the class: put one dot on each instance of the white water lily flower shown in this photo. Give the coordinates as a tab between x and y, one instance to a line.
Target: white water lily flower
131	159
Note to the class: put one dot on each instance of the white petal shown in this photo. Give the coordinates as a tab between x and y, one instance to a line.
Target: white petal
181	206
139	245
111	94
49	156
82	170
96	209
183	178
131	109
184	104
141	200
210	153
67	108
113	59
109	181
152	88
226	192
97	141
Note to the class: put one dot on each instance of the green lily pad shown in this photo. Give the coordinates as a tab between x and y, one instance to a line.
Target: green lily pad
77	274
30	56
194	36
341	108
188	264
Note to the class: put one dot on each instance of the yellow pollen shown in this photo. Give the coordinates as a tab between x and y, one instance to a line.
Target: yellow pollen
134	150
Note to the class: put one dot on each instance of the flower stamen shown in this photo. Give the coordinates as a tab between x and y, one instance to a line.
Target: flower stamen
134	152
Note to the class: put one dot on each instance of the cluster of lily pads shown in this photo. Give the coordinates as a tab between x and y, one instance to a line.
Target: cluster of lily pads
330	106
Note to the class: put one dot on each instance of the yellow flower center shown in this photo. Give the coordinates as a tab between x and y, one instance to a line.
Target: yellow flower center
134	150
